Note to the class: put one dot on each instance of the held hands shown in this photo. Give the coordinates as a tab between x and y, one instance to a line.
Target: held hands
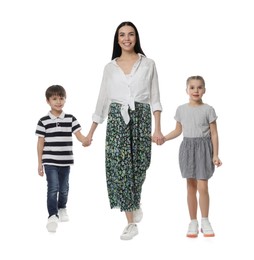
87	141
158	138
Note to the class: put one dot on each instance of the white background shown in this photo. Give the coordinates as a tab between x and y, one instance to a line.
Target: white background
68	43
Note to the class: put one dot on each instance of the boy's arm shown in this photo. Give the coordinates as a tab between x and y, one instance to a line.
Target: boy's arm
175	133
40	146
89	137
80	136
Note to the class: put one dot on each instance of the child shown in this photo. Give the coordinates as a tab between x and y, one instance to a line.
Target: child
198	152
55	153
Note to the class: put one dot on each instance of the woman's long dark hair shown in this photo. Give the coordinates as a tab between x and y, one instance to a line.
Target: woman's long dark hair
117	51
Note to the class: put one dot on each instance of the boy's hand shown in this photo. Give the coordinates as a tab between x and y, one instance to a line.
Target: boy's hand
87	142
40	170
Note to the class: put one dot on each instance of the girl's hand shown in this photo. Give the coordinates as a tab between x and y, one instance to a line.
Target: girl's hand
217	161
158	138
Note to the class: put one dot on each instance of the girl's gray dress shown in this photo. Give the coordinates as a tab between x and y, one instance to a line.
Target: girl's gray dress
195	153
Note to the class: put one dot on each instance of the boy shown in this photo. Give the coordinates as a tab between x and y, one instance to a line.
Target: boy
55	155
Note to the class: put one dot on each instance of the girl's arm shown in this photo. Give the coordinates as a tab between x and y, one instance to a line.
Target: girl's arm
215	143
157	137
175	133
40	146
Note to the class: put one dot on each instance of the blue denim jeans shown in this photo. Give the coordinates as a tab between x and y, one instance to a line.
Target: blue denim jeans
58	187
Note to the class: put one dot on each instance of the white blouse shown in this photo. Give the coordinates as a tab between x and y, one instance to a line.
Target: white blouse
141	85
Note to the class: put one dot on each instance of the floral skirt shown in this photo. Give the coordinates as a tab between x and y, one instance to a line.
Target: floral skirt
128	155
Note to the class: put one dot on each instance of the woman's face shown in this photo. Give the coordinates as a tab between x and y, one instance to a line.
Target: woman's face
127	38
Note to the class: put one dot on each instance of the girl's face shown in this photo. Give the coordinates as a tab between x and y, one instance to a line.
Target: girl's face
195	90
56	103
127	38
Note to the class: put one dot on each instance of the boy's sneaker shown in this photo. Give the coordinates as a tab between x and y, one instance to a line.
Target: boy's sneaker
52	223
193	229
63	216
129	232
206	228
137	215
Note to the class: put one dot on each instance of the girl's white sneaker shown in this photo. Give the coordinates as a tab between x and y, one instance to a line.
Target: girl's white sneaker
193	229
206	228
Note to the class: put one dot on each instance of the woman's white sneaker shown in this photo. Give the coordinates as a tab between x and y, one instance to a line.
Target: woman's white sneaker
129	232
137	215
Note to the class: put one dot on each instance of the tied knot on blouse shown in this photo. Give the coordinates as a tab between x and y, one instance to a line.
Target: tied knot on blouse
124	109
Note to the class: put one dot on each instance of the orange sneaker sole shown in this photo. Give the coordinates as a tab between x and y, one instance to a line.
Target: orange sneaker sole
207	235
192	236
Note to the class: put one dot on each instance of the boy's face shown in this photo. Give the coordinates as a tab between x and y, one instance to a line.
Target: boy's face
56	103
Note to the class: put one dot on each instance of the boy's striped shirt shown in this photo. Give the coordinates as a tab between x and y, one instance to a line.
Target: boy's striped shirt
57	132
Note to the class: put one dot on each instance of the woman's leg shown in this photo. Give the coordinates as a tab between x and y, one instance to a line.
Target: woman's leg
129	216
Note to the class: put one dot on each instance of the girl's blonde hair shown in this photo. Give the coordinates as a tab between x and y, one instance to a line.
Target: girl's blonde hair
196	78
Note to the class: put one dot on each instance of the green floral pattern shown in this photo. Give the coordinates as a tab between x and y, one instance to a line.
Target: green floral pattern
128	155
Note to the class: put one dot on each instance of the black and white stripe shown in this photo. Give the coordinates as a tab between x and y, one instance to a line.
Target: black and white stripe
57	132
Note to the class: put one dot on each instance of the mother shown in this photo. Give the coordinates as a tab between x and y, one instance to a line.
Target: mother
129	92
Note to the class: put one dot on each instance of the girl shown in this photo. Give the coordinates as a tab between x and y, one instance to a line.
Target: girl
198	152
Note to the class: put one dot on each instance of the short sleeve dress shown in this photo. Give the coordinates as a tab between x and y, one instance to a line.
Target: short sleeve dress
196	152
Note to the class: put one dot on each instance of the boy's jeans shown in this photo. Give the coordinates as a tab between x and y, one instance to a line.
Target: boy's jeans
58	187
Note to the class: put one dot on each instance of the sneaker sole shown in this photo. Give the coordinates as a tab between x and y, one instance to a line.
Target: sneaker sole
63	219
207	235
127	238
192	235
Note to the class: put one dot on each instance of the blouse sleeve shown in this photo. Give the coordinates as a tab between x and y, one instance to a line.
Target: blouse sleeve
102	106
155	92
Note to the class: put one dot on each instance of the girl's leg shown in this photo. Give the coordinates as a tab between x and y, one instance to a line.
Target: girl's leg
206	227
203	197
192	198
192	205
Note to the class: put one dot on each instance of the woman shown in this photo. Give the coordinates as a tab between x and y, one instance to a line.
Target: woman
129	91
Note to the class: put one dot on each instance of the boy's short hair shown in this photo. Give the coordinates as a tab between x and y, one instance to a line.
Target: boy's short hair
55	90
